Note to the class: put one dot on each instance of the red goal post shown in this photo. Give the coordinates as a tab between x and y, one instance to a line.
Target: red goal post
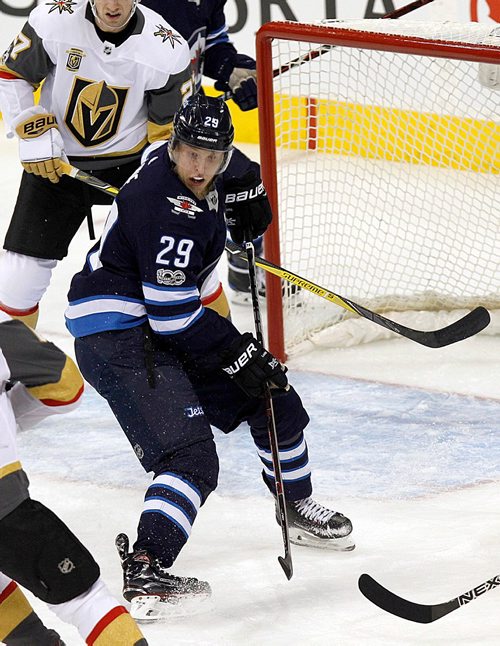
343	132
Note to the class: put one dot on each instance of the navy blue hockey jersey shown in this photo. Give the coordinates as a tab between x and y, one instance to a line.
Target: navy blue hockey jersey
203	25
157	257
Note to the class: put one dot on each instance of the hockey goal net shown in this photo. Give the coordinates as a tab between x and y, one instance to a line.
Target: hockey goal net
380	152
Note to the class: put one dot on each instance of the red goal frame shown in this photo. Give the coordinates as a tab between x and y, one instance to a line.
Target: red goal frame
322	35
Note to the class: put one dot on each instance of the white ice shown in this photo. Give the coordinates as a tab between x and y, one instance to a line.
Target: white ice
403	439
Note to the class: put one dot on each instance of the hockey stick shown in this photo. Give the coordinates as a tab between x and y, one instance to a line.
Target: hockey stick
82	176
316	53
420	613
467	326
286	561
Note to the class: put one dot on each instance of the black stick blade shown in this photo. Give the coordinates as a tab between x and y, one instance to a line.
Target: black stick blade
420	613
286	564
470	324
390	602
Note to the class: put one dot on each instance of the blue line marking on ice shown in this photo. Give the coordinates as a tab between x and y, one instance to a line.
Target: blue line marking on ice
365	440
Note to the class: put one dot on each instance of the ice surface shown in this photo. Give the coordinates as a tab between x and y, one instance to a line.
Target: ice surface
403	439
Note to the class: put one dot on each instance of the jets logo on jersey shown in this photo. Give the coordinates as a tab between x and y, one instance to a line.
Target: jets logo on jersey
167	34
94	111
61	6
74	59
197	42
185	206
170	278
193	411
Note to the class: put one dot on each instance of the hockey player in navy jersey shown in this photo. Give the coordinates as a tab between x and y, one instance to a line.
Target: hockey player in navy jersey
203	24
113	74
170	367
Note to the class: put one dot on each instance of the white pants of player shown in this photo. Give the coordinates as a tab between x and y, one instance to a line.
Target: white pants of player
23	279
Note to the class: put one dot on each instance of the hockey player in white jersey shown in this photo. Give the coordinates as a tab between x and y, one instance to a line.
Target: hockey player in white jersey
37	550
113	76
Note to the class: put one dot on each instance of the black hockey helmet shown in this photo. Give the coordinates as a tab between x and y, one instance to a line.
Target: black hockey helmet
204	122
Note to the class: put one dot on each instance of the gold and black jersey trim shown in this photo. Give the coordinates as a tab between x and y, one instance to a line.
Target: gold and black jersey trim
13	487
48	373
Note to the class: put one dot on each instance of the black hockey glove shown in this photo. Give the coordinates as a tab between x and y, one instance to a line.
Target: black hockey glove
251	366
247	207
239	76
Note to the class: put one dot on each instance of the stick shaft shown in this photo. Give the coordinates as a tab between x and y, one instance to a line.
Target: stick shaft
286	561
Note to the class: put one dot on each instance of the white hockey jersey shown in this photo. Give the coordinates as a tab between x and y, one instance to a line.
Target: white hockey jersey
107	99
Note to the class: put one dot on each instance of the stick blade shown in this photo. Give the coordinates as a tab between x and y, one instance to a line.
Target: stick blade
392	603
286	564
467	326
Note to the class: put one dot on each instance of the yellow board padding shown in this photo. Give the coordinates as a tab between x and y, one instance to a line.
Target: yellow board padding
390	134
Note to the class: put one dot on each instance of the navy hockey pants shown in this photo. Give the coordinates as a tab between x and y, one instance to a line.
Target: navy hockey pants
168	425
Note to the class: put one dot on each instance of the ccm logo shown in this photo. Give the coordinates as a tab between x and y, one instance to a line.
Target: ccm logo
243	196
242	360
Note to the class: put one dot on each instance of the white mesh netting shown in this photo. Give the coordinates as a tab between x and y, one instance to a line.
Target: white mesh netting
388	175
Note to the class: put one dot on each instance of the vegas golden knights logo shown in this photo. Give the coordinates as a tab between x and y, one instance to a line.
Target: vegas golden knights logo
94	111
74	59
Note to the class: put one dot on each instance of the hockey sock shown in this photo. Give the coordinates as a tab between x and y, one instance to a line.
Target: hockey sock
19	624
29	316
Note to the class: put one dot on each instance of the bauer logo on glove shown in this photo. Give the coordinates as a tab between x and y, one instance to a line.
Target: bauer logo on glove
251	366
242	360
244	196
41	147
36	126
247	207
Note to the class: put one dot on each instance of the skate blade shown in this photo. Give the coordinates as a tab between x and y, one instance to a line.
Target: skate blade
301	537
152	608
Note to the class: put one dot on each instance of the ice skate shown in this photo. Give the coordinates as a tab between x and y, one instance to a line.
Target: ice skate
153	592
239	281
313	525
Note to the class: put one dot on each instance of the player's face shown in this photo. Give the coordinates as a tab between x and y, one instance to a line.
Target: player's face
197	167
112	15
